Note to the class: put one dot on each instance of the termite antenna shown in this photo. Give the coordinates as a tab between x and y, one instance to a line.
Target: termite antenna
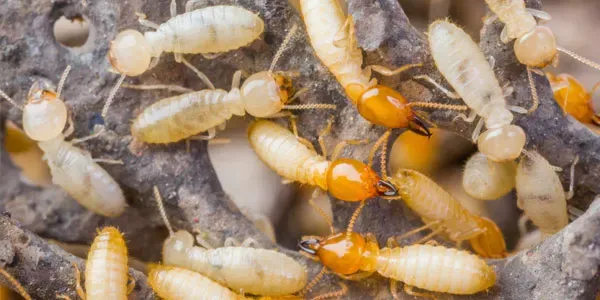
16	285
63	79
353	219
310	106
579	58
10	100
161	208
283	46
313	282
341	292
534	94
320	210
438	106
111	97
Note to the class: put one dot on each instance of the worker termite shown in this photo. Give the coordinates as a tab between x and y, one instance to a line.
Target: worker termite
540	194
25	154
462	63
345	179
353	256
485	179
15	285
106	271
573	98
243	269
332	37
73	169
264	94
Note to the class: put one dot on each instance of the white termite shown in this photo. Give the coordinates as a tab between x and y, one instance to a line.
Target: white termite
73	169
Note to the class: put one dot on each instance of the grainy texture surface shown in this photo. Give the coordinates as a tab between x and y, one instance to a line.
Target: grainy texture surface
563	267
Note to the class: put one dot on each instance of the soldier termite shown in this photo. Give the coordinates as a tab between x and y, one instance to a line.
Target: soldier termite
332	37
540	194
535	45
353	256
15	285
73	169
485	179
461	62
25	154
264	94
243	269
106	271
573	98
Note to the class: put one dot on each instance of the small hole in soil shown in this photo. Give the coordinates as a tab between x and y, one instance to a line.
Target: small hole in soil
71	32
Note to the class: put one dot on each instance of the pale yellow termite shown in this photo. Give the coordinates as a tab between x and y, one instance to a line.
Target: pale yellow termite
243	269
73	169
106	270
263	94
540	193
440	211
461	62
25	154
485	179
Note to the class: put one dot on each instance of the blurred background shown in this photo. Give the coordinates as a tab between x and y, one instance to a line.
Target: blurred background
282	210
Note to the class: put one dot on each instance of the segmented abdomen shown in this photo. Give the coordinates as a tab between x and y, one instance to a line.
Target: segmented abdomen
176	118
324	20
182	284
211	29
463	65
75	171
106	271
282	152
513	14
436	268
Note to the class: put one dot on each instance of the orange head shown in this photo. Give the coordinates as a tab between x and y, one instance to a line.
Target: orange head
341	254
352	180
489	244
384	106
572	96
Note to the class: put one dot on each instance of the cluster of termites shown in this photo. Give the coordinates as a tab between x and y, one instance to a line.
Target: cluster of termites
190	271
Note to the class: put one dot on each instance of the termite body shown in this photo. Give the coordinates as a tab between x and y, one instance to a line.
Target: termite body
73	169
461	62
440	211
540	193
25	154
422	266
573	98
485	179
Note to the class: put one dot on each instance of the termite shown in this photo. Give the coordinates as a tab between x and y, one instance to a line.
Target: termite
73	169
332	37
485	179
535	45
434	268
4	292
106	270
243	269
264	94
461	62
25	154
573	98
444	214
344	178
540	193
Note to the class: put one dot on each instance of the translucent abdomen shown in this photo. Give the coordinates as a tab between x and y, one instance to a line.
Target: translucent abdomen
211	29
106	271
176	118
463	65
282	152
436	268
75	171
182	284
513	14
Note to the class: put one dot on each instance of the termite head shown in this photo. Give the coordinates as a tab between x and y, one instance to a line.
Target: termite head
490	243
536	49
265	93
130	53
572	96
502	143
341	253
352	180
44	115
175	246
384	106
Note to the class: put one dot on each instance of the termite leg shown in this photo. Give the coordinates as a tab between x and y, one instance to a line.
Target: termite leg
504	35
337	151
211	133
173	8
507	90
231	242
440	87
322	135
71	128
297	95
519	109
392	243
417	230
574	212
130	284
435	243
387	72
203	77
108	161
492	61
144	22
469	119
250	243
427	238
542	15
169	87
409	290
571	191
394	289
344	35
191	5
358	276
203	242
477	131
300	139
237	78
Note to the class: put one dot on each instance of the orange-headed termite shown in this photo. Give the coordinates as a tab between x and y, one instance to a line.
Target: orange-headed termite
573	98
